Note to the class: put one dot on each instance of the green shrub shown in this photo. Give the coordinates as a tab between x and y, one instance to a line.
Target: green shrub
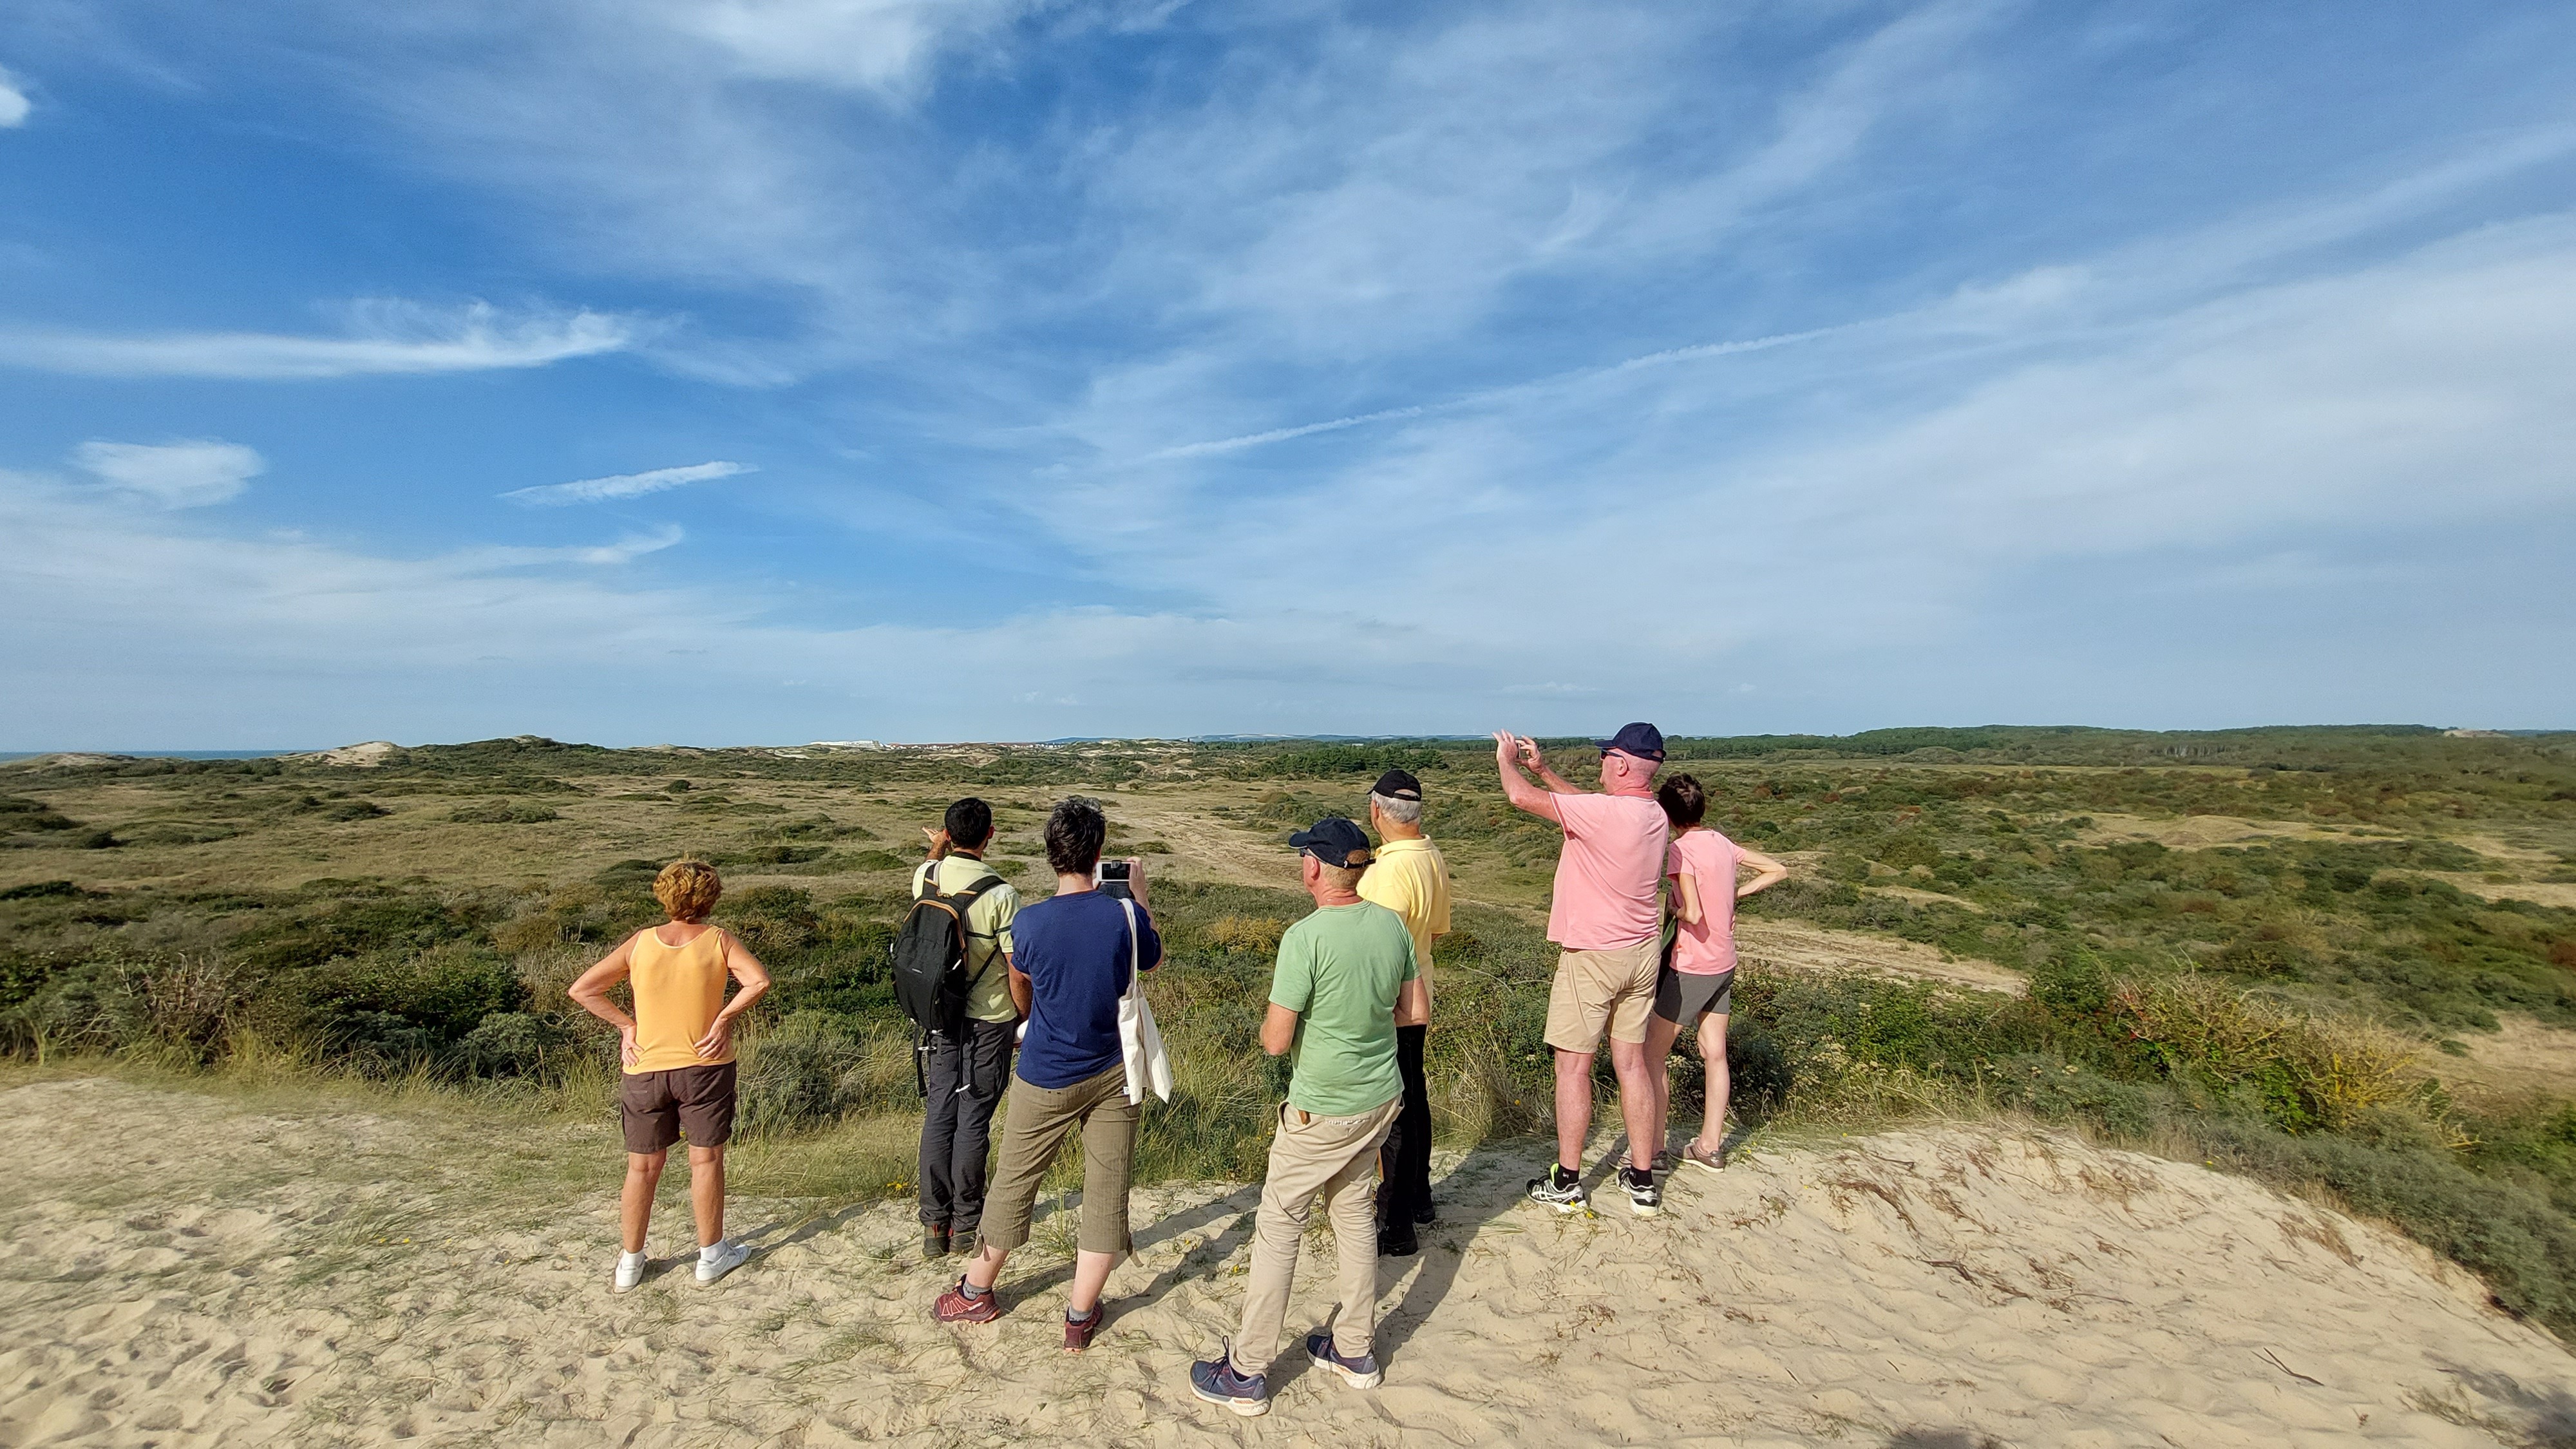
502	812
812	1068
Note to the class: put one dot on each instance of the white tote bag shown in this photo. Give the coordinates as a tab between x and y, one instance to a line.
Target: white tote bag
1139	1040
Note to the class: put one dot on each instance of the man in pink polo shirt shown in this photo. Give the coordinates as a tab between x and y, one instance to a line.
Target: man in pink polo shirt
1607	919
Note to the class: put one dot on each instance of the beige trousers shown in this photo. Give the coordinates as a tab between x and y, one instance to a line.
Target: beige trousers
1334	1158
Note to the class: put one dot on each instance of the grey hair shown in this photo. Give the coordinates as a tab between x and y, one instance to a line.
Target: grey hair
1402	812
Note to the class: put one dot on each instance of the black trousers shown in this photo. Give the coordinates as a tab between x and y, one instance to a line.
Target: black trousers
963	1082
1405	1161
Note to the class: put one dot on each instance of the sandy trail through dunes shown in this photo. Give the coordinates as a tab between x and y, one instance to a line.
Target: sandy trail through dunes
193	1273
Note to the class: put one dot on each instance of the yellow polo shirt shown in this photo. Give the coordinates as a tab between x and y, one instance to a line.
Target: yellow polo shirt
988	934
1409	878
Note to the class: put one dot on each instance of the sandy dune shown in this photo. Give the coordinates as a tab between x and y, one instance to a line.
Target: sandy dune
192	1273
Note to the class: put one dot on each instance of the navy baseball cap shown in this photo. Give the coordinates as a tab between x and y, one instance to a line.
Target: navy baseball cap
1397	785
1640	739
1334	841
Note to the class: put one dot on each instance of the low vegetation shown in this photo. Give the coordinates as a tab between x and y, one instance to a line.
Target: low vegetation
2264	949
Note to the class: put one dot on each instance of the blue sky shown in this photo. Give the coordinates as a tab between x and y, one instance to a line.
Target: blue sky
729	371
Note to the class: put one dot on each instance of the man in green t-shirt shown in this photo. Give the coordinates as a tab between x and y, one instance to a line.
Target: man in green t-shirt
962	1079
1343	973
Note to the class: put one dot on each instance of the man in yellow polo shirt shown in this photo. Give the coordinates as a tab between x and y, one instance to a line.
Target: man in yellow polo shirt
1409	878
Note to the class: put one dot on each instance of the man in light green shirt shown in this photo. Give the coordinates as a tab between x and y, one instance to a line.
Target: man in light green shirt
962	1080
1343	974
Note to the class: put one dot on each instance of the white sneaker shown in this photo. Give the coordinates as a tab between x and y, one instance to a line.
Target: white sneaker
630	1271
729	1256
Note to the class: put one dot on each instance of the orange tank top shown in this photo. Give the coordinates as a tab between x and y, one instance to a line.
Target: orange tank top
678	991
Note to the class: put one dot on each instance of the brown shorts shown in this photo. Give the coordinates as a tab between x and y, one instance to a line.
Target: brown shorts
1597	989
656	1108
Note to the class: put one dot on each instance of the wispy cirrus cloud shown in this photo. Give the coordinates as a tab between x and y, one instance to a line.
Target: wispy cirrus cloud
13	101
189	474
385	337
622	485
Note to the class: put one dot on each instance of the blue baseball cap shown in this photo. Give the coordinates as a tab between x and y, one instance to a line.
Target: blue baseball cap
1640	739
1334	841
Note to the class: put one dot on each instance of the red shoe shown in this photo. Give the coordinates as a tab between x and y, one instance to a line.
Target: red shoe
1078	1331
956	1307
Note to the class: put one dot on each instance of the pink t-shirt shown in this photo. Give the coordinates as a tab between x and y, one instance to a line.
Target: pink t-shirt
1607	875
1709	947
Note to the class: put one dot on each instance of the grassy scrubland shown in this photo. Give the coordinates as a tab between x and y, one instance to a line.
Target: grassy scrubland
2275	950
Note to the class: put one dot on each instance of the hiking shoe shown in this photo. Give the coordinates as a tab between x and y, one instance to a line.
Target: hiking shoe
1078	1331
729	1256
1560	1189
1216	1381
958	1306
1359	1373
1397	1242
934	1242
630	1271
1696	1156
1644	1198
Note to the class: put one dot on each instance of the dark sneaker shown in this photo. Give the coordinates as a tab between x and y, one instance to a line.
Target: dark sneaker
1696	1156
959	1306
1560	1189
1397	1242
1359	1373
934	1242
1078	1331
1424	1214
1644	1198
1216	1381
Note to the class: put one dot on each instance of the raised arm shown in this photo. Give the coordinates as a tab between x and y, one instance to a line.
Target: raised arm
1510	753
591	992
751	982
1770	873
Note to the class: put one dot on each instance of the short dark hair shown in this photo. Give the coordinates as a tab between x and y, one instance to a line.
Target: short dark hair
1074	834
1683	801
970	823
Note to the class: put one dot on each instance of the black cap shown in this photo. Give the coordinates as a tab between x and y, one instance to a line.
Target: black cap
1640	739
1397	785
1334	841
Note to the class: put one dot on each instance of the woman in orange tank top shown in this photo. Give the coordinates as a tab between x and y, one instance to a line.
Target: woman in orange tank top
677	1051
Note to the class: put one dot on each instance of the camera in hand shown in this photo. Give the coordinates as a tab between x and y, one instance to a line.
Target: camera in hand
1111	877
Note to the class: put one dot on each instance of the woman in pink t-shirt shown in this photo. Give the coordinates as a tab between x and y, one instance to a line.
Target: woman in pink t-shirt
1696	986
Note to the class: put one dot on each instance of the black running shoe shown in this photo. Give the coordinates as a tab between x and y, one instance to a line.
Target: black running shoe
1644	1198
1397	1242
1424	1214
1561	1189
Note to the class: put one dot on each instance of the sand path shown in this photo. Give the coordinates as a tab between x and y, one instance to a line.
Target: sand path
193	1273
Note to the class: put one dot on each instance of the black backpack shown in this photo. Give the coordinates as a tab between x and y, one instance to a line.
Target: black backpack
930	979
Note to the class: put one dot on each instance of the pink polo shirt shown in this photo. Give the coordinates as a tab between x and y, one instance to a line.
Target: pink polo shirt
1607	874
1709	947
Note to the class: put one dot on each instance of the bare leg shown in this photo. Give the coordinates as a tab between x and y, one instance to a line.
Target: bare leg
1637	1101
635	1202
1573	1107
1090	1275
1712	1049
985	1269
1660	1035
706	1192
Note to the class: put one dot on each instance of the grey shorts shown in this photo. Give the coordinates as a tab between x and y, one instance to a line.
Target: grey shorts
1683	997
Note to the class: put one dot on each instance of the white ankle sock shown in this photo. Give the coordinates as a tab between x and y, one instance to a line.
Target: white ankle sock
630	1260
708	1253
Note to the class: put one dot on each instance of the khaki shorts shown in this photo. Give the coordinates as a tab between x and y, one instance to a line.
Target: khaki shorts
1614	988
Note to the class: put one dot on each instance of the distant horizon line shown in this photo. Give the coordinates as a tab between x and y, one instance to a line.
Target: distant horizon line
8	756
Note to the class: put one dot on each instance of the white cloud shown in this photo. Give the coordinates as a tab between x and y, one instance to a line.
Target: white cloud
189	474
13	101
865	44
622	485
385	337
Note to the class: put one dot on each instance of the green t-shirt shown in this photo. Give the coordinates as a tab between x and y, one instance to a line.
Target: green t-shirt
988	934
1340	970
